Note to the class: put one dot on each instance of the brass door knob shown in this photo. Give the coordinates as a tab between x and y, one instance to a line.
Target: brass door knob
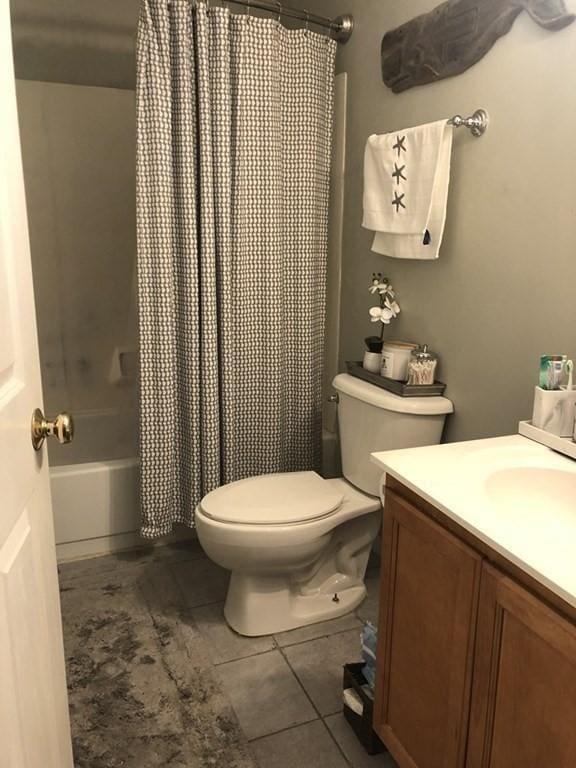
62	428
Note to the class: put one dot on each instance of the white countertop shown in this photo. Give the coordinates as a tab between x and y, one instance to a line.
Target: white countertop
514	494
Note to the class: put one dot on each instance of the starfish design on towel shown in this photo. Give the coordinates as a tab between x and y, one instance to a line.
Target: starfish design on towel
398	201
400	144
398	173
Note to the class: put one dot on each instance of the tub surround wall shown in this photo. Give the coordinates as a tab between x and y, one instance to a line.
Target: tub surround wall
78	147
502	292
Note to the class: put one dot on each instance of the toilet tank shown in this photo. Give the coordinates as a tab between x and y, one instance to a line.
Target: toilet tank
372	419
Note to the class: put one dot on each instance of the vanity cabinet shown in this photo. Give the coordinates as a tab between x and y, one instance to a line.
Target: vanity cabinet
474	670
429	598
524	694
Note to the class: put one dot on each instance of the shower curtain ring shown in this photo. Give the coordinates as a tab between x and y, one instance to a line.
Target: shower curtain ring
279	6
248	8
307	27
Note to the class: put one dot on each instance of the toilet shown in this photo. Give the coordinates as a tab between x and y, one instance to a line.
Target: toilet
297	545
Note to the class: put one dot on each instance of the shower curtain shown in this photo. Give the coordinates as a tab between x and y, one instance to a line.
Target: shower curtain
233	150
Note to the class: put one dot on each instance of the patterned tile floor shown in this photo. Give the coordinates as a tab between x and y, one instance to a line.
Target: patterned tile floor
156	677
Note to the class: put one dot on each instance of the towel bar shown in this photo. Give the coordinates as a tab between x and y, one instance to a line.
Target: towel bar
477	123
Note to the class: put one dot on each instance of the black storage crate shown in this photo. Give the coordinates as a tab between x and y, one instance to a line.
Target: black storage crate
361	724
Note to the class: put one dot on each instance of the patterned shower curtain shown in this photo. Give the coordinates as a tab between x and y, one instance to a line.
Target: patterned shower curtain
233	149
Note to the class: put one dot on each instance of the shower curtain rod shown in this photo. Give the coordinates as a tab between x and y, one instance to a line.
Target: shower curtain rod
340	27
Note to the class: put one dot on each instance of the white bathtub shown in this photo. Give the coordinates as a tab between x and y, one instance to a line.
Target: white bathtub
96	505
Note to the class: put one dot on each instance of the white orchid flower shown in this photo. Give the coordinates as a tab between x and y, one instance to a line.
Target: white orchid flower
375	287
389	307
379	283
393	306
386	315
381	315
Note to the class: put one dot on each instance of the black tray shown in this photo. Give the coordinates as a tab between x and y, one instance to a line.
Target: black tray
398	387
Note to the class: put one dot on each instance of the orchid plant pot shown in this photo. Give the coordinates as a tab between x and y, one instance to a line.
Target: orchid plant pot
383	314
372	361
374	343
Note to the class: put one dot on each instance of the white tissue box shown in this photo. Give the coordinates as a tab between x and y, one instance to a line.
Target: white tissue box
554	410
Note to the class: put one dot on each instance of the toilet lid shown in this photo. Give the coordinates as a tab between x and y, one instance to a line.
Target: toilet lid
293	497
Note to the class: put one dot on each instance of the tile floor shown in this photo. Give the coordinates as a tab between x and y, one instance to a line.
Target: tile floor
214	698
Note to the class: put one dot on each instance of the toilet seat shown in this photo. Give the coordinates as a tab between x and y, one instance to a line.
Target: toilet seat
276	499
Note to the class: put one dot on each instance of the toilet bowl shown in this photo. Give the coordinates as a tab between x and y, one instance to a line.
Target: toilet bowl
297	545
297	553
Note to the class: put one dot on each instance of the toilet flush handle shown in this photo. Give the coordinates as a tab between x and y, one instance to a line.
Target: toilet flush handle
333	398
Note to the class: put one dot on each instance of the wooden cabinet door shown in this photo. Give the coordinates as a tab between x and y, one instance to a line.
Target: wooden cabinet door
524	694
429	601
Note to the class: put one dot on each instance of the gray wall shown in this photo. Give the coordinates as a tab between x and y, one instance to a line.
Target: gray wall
503	290
86	42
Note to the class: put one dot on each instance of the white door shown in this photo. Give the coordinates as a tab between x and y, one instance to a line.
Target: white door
34	724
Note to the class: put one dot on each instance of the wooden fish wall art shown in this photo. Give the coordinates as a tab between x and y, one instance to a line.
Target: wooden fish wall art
451	38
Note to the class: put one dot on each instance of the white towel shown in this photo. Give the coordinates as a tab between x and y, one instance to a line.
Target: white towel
406	178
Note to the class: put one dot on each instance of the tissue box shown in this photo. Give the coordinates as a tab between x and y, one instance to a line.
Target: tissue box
554	410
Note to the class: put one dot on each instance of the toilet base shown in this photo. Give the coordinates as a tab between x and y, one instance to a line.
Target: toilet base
264	605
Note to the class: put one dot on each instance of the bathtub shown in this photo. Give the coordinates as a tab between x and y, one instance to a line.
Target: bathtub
96	504
96	507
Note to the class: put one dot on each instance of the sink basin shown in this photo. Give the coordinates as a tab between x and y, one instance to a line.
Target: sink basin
512	493
533	490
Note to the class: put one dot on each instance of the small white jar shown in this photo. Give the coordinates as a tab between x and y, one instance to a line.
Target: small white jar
372	361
